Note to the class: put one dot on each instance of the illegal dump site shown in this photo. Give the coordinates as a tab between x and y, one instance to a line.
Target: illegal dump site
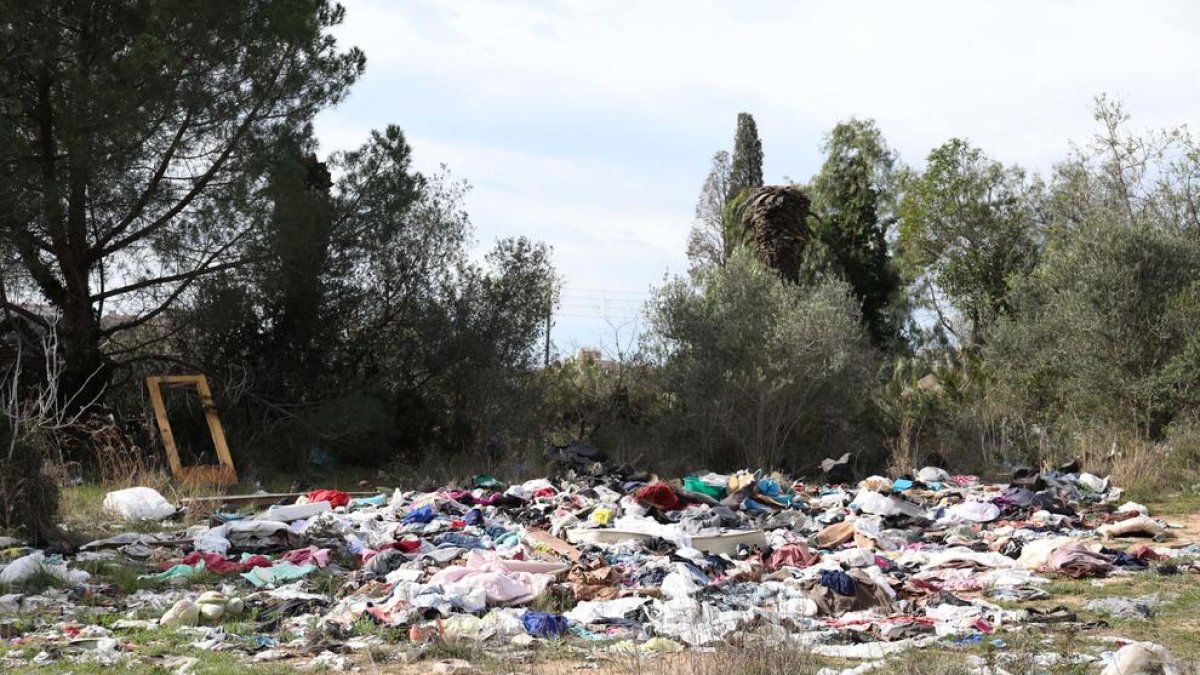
270	402
599	567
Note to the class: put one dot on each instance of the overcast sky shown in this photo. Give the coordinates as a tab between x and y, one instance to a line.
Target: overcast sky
590	125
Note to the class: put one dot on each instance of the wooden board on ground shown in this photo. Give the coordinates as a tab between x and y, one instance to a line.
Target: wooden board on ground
262	498
544	540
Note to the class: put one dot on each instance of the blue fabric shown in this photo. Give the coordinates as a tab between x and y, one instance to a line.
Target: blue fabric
1123	559
544	624
474	518
839	582
751	505
458	540
421	515
377	500
768	487
901	484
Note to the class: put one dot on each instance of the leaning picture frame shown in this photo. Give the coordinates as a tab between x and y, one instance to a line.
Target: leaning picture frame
222	473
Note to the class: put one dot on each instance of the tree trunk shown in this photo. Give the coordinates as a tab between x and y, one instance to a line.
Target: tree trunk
86	370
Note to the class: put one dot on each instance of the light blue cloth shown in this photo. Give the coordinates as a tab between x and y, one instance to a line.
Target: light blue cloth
377	500
278	573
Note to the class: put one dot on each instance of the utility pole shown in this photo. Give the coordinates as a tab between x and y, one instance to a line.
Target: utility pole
549	312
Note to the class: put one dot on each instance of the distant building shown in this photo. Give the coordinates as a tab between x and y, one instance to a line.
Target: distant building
596	357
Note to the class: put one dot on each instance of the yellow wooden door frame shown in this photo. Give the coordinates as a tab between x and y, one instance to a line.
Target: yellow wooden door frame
222	473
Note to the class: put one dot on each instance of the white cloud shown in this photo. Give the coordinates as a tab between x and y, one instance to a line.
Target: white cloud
600	241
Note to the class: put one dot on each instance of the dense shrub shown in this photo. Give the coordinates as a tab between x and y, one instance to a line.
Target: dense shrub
762	372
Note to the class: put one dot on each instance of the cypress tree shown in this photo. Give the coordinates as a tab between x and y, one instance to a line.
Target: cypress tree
746	170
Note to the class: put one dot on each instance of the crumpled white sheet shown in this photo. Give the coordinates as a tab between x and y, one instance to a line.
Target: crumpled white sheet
693	622
1133	506
501	584
962	553
1035	555
525	490
590	611
973	512
650	526
246	534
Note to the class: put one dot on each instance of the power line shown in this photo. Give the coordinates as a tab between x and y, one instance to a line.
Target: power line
597	317
601	290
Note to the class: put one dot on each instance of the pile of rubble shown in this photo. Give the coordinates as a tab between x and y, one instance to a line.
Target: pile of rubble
618	562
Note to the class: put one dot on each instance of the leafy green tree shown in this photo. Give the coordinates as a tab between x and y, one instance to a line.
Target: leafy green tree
709	242
1102	332
746	169
967	234
717	228
364	325
761	372
130	136
853	200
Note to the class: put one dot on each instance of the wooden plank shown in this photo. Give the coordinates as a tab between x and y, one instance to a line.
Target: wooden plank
164	426
222	473
228	474
259	498
538	539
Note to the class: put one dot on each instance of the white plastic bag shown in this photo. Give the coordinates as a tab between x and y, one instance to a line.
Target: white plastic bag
138	503
932	474
26	567
22	569
1092	482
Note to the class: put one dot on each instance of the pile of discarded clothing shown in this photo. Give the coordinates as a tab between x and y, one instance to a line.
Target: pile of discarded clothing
628	563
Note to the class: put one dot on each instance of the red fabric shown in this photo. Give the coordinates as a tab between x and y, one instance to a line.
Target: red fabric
545	492
335	498
792	555
659	495
256	561
1144	552
408	545
215	563
307	556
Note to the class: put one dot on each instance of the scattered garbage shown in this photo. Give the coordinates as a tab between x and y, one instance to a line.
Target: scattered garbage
1125	608
631	564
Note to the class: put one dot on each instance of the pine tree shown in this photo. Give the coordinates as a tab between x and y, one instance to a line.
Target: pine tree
131	135
853	201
